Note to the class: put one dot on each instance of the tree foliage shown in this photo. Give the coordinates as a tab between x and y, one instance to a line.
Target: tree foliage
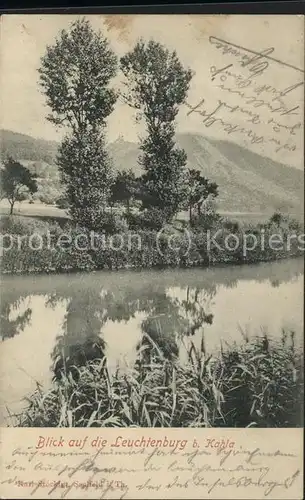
87	175
156	85
15	181
198	190
75	74
124	188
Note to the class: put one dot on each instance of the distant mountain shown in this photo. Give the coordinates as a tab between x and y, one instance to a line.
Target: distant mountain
38	155
273	173
125	155
24	147
247	181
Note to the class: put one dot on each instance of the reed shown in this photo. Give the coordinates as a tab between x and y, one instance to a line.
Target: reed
256	383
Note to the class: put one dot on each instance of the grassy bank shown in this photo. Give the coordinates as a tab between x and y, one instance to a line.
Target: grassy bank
23	252
258	383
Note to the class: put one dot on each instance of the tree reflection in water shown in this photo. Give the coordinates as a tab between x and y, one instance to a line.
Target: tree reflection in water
11	326
168	320
175	308
81	340
172	319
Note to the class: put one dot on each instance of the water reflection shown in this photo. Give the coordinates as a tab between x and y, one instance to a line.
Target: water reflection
167	319
171	320
13	318
81	339
98	315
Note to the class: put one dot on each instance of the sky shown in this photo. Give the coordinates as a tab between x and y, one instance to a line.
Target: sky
24	39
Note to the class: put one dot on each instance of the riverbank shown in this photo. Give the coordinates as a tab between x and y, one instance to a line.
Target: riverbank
32	246
258	383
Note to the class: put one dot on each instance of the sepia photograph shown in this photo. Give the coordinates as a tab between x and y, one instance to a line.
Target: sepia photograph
152	222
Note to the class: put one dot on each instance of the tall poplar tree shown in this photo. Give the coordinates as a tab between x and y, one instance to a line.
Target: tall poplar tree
75	74
157	83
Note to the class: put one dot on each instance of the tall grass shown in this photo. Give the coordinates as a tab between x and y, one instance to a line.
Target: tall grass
258	383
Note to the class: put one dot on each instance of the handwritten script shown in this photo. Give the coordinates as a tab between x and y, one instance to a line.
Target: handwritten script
255	97
148	465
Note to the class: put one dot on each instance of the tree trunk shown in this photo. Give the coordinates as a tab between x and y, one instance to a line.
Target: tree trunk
128	206
190	212
11	207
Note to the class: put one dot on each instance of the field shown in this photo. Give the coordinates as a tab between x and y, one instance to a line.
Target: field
33	210
49	211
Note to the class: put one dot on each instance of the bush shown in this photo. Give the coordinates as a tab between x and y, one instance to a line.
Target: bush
232	226
285	222
15	224
112	223
62	203
205	221
169	248
153	219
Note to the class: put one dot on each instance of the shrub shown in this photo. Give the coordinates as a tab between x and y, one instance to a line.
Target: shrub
110	223
15	224
152	219
232	226
169	248
62	203
205	221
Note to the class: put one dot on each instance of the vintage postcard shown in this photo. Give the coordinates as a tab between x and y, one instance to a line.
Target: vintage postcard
152	245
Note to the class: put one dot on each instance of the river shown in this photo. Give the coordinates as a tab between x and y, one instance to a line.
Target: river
45	316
